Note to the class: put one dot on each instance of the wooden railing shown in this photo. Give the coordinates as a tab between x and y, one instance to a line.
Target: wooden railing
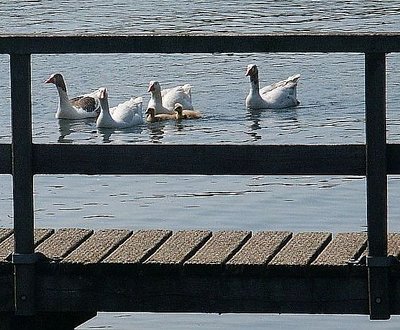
375	160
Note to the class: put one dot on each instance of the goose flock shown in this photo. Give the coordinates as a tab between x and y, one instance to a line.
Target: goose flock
164	104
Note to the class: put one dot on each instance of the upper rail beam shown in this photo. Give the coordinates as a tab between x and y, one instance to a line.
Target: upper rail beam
199	159
195	43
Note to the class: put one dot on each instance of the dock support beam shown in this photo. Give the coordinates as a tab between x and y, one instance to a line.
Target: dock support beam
378	265
21	120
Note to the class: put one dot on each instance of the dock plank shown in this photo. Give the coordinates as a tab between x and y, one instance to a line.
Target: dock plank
97	247
62	242
4	233
343	248
302	249
219	248
394	244
138	247
260	248
7	246
180	247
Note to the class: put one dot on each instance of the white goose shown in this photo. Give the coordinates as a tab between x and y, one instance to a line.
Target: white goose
276	96
163	101
124	115
84	106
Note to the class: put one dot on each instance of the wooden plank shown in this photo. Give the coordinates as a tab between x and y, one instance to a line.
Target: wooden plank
394	244
62	242
238	43
344	247
302	249
261	248
300	290
7	246
219	248
200	159
138	247
97	247
4	233
5	159
180	247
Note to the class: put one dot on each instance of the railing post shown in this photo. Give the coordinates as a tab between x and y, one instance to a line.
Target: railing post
377	261
21	120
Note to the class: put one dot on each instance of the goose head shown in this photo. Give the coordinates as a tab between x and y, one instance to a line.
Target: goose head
252	72
150	112
103	97
58	80
178	108
154	86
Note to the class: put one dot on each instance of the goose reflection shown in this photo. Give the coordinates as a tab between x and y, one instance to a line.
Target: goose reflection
156	131
280	116
106	133
67	127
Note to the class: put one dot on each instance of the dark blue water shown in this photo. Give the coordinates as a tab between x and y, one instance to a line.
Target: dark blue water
331	91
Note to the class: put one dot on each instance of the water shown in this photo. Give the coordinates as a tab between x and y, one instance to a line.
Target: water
331	92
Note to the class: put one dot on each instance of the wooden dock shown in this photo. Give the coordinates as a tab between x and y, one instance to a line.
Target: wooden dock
198	271
70	274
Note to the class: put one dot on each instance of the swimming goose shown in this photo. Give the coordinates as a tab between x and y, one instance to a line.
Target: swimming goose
152	117
276	96
163	101
84	106
124	115
185	114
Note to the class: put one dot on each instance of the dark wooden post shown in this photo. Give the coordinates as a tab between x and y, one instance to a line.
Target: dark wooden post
23	257
377	261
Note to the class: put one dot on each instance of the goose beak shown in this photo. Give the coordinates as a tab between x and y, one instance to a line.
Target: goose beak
51	80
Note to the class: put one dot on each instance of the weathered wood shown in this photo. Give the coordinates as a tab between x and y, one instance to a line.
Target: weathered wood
4	233
7	245
200	159
302	249
295	42
375	106
115	283
394	245
180	247
62	242
260	249
97	247
219	248
138	247
344	248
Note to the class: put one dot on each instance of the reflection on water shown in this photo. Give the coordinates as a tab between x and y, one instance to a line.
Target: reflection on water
68	128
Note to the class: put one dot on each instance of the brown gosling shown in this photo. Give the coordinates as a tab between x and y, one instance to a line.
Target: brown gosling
186	114
152	117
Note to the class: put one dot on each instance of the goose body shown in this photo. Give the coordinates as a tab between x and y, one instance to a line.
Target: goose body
186	114
124	115
84	106
279	95
163	101
152	117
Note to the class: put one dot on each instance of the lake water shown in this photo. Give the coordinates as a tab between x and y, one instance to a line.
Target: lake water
331	91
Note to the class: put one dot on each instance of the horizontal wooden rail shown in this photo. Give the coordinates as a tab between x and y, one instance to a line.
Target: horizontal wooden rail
201	159
239	43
